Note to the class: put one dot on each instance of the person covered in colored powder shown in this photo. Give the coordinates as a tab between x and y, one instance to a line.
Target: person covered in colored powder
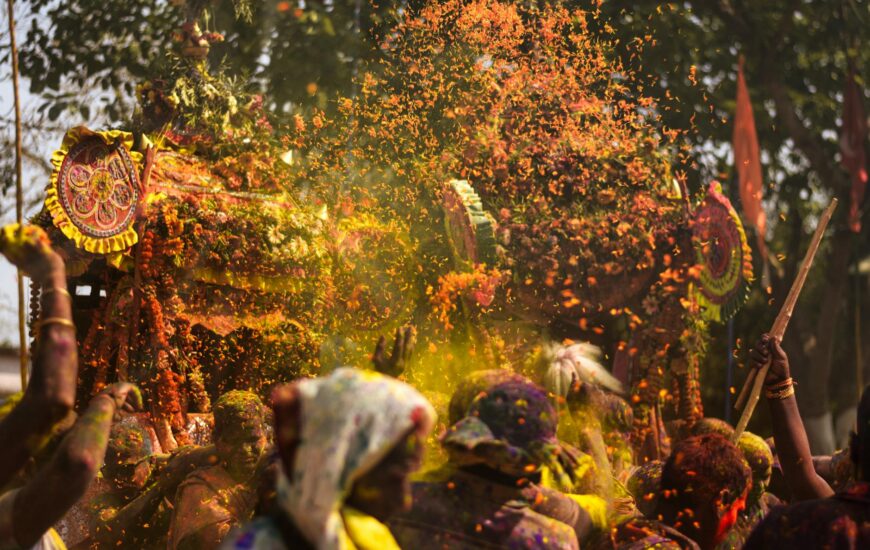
759	502
47	401
72	467
702	490
211	501
134	507
490	496
348	443
643	485
125	471
830	520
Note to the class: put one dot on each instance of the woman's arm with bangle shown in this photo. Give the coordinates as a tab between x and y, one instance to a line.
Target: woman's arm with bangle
50	394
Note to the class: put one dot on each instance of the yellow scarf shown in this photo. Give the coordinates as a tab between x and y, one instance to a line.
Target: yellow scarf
363	532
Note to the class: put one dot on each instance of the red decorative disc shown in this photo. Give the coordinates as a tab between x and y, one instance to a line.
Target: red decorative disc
98	187
722	254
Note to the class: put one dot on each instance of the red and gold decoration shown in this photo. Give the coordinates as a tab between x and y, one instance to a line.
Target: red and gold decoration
95	192
470	229
215	264
723	256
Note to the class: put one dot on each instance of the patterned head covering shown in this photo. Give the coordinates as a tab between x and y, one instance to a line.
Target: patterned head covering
510	427
473	385
760	461
710	425
348	422
129	443
643	485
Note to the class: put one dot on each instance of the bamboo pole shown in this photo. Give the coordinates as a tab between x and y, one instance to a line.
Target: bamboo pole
752	388
19	198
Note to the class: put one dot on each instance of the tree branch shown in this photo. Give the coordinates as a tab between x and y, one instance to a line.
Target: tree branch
809	144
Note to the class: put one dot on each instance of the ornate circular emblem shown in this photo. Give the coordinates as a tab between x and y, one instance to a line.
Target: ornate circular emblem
98	187
470	229
723	256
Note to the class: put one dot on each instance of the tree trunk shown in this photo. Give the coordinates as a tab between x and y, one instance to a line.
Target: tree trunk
813	377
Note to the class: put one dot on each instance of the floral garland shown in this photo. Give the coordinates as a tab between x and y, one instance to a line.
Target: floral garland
476	287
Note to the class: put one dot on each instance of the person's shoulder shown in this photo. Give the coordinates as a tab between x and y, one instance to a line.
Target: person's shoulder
543	531
204	481
818	511
431	500
638	533
207	475
813	523
453	488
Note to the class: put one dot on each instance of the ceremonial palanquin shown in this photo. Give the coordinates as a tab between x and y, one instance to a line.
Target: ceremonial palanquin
191	285
571	211
474	182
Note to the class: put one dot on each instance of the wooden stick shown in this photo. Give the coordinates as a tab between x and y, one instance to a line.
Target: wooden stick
756	381
744	392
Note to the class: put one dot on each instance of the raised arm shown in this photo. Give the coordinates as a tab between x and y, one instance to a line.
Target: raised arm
73	467
792	444
403	348
50	395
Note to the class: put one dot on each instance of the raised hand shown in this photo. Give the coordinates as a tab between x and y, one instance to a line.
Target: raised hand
403	347
768	349
29	249
125	396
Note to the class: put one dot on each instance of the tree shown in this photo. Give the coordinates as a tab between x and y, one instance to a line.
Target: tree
796	62
295	56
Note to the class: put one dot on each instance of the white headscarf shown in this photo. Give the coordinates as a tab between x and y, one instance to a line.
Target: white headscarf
348	422
577	362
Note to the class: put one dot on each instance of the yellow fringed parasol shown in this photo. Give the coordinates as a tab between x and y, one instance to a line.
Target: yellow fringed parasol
94	193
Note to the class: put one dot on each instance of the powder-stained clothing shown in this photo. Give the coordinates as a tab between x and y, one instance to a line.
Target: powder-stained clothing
842	521
209	504
276	532
349	422
467	511
640	534
747	520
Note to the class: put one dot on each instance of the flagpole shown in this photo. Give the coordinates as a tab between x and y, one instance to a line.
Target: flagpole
19	195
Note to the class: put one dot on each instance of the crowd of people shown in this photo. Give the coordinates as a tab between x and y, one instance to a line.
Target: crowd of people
335	463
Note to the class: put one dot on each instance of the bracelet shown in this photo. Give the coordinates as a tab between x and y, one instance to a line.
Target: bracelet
781	394
780	385
57	290
57	321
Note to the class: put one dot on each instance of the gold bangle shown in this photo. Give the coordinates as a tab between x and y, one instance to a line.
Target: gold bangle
58	290
779	395
56	321
780	385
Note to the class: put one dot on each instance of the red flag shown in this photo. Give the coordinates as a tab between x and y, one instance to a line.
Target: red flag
852	137
747	161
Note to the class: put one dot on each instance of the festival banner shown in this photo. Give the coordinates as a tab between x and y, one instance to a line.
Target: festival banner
747	161
853	134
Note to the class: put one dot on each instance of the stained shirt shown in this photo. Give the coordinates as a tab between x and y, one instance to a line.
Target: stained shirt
208	505
467	511
747	521
842	521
